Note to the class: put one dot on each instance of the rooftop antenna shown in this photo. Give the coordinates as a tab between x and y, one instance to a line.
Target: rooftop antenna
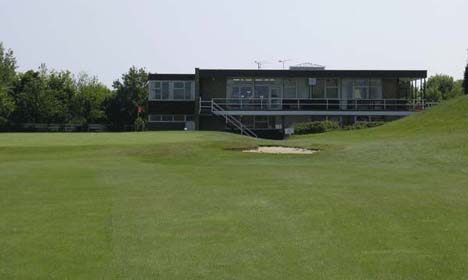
260	63
283	61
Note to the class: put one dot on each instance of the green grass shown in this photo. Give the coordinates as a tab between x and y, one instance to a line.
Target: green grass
383	203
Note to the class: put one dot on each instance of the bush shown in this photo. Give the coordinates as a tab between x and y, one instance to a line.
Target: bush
361	125
315	127
140	124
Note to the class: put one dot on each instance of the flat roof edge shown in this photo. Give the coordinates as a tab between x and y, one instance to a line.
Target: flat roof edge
313	73
163	77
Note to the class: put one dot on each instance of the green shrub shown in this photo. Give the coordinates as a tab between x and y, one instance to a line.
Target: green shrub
315	127
140	124
361	125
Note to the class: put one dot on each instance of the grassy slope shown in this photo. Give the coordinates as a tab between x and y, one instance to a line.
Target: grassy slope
383	203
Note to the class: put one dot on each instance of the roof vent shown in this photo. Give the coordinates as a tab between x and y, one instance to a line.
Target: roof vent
307	66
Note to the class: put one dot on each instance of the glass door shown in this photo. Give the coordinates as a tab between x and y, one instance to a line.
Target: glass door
275	101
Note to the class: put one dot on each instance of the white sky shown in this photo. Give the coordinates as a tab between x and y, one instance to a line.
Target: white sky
106	37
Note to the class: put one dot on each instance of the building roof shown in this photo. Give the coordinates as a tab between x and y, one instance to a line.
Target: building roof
270	73
264	73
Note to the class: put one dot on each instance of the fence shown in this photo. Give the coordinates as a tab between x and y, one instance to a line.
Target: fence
54	127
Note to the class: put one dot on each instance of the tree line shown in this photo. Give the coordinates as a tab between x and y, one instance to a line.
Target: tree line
60	97
50	96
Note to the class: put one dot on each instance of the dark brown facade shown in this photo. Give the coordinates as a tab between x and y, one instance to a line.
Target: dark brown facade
266	102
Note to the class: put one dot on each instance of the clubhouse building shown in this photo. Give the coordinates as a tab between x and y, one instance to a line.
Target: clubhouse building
267	103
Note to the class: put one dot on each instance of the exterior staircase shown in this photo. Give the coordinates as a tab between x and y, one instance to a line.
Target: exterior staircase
211	107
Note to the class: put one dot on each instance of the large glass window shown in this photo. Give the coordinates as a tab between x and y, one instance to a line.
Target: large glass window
290	89
157	90
240	88
262	87
375	89
249	88
179	90
154	90
171	90
367	89
235	92
189	93
331	89
246	91
165	90
361	89
318	90
325	88
347	89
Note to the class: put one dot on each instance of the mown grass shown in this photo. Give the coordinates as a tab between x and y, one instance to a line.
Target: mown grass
383	203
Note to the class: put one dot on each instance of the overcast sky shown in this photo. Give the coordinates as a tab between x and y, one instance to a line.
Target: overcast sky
106	37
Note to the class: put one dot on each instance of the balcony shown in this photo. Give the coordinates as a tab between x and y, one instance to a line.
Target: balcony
321	104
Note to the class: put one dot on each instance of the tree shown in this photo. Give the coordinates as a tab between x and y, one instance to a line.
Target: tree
129	93
7	66
442	87
60	90
30	97
7	105
7	78
465	80
88	103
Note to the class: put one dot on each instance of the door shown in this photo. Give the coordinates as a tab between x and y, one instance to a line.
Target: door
189	125
275	101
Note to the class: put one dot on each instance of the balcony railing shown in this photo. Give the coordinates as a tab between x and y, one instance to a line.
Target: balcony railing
259	104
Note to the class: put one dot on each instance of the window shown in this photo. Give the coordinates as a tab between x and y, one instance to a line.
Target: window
246	92
261	122
261	91
290	89
367	89
318	91
154	118
375	89
158	91
240	88
179	118
189	91
235	92
154	90
263	86
179	91
170	118
167	118
331	88
171	90
165	91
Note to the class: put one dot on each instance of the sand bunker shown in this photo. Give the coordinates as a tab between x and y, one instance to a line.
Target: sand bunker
281	150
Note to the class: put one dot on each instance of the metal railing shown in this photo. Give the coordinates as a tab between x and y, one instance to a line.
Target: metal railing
329	104
219	111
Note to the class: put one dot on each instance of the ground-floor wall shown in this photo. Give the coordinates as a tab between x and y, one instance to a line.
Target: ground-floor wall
171	107
166	126
289	121
274	128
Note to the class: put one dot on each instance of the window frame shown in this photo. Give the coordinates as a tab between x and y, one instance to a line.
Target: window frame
157	90
288	86
170	118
